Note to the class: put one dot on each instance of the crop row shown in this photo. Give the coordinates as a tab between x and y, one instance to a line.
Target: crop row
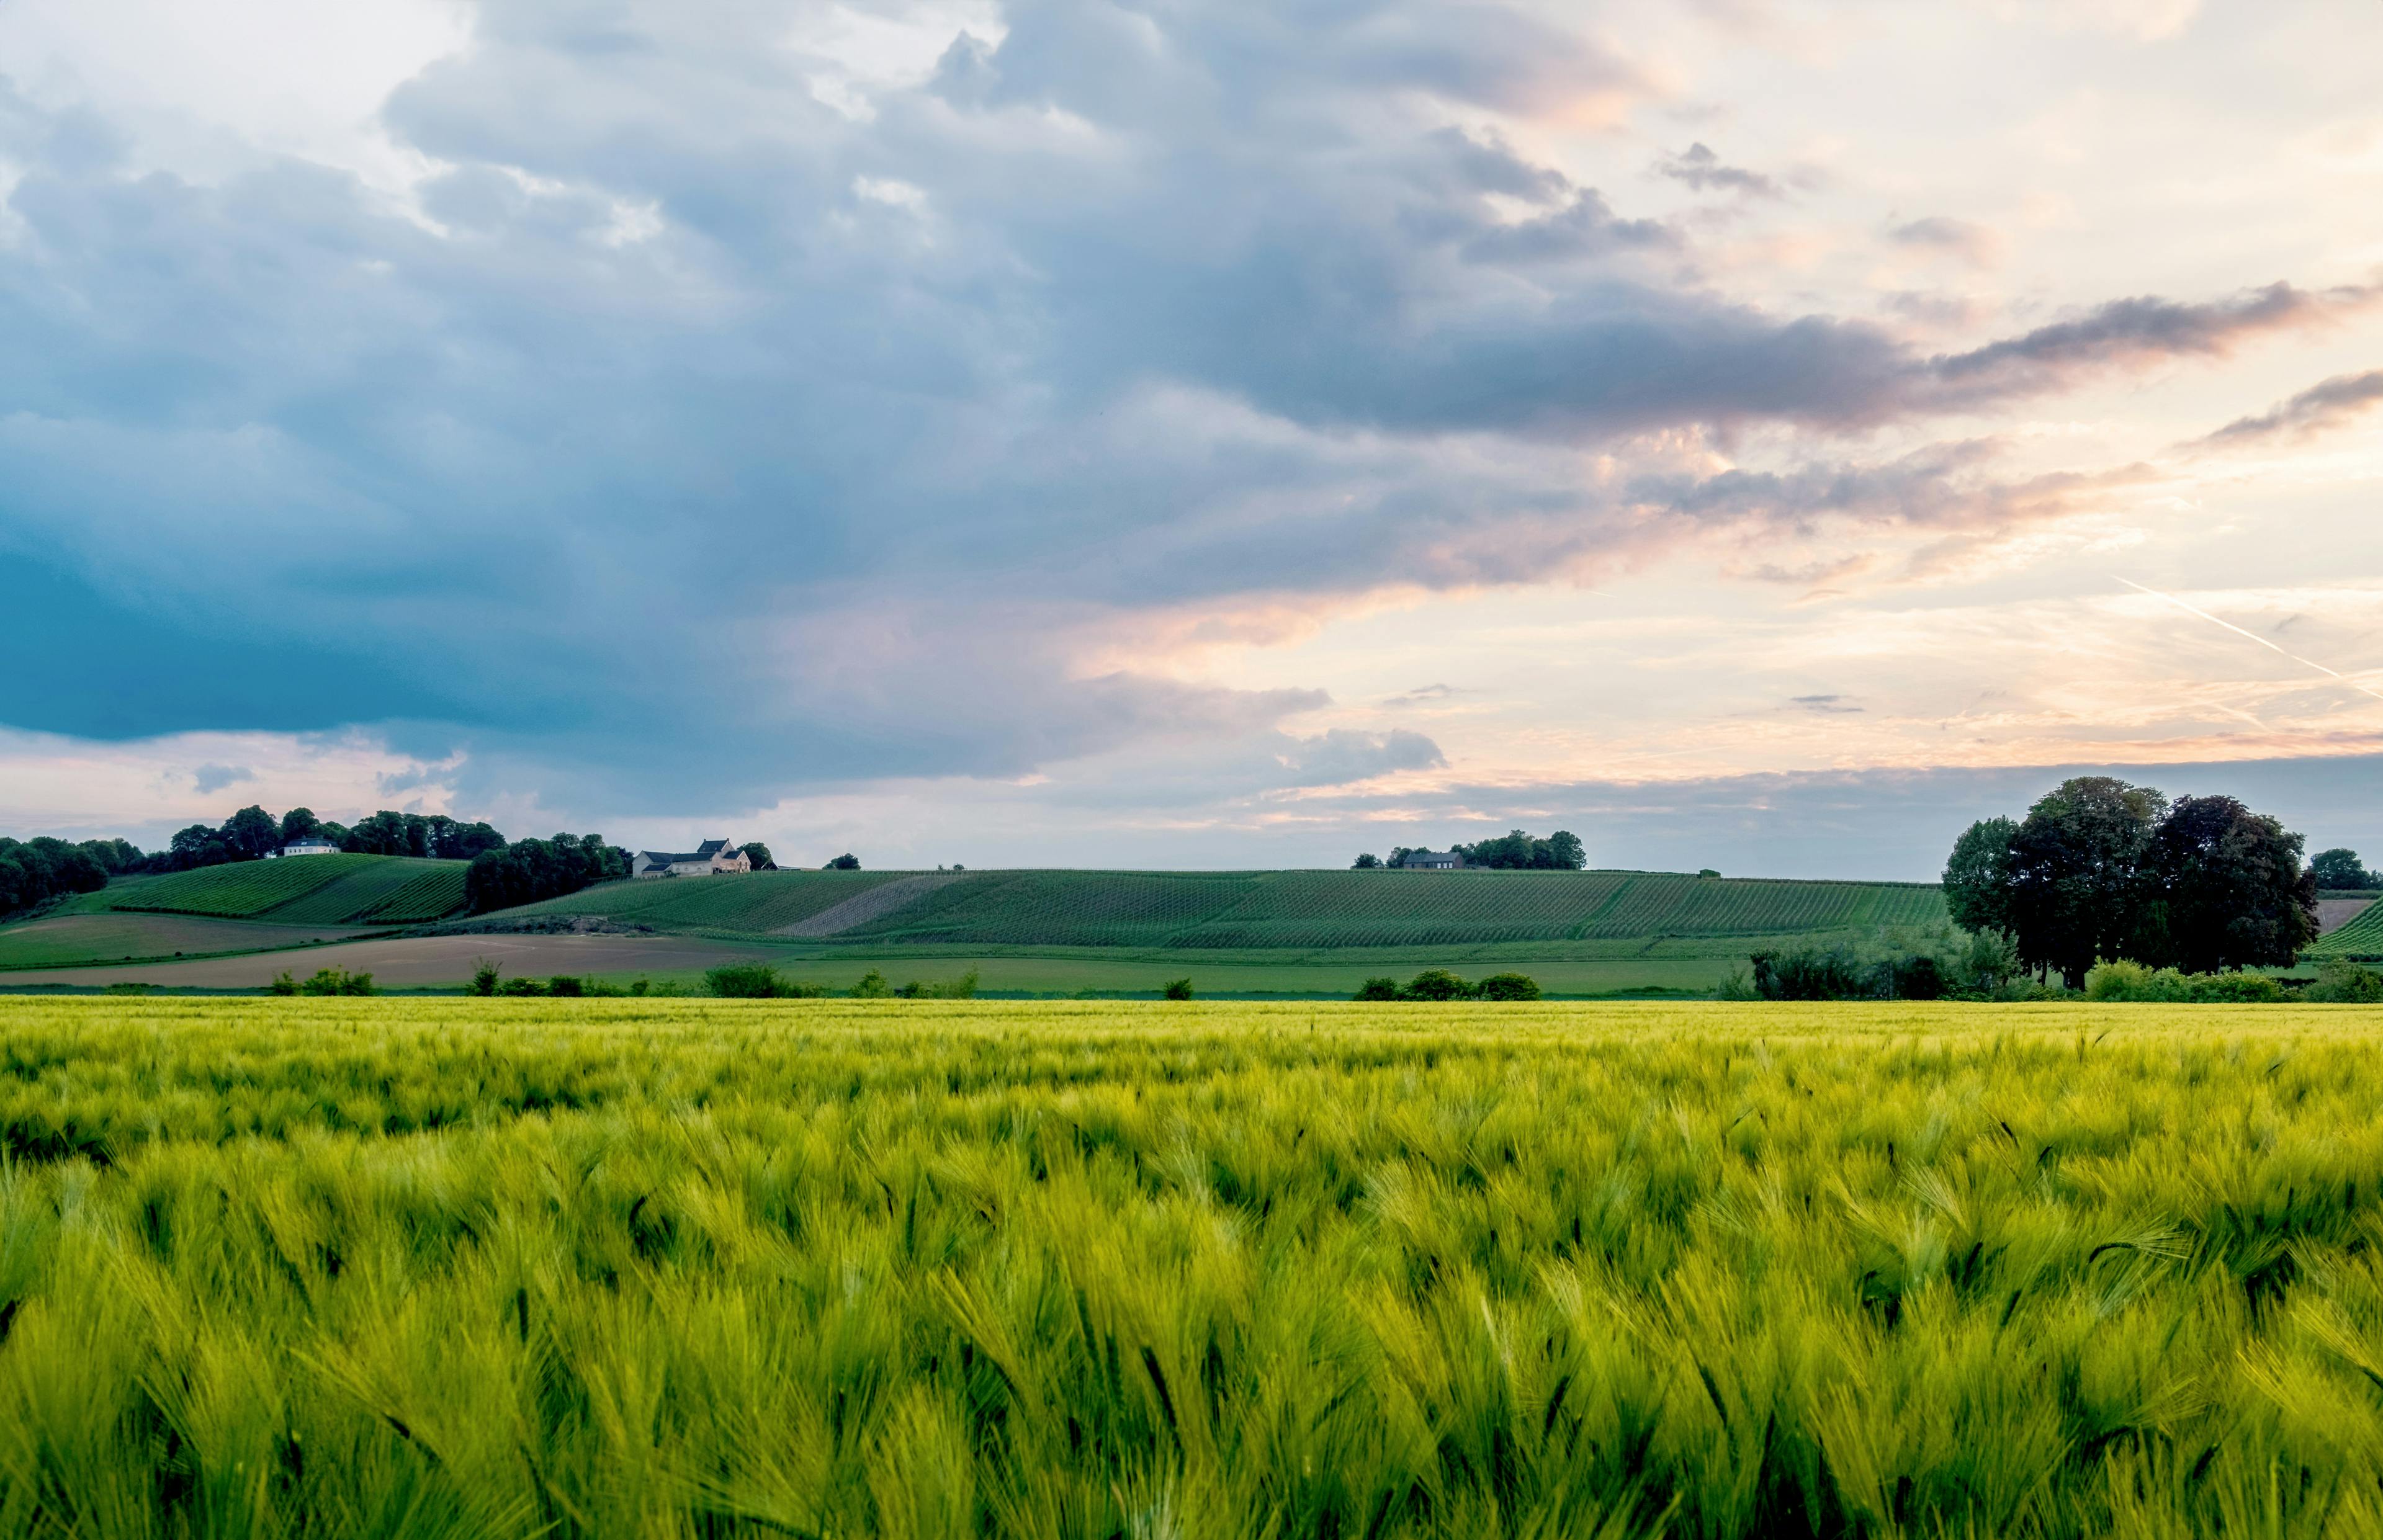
242	890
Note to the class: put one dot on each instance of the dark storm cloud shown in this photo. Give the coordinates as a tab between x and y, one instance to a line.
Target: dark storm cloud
681	398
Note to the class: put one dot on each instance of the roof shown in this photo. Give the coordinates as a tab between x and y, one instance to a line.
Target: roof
708	848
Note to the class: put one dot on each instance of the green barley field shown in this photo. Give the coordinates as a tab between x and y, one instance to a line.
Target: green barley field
703	1268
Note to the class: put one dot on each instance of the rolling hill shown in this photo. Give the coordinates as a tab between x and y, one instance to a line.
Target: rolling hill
313	890
1247	910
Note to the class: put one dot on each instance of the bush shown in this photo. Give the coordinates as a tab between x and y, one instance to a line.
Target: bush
742	981
520	988
2340	981
2131	981
962	988
283	984
1437	983
1177	988
1899	964
1736	984
872	986
564	987
332	980
484	976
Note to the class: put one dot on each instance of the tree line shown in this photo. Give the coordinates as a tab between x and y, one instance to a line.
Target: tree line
502	872
2103	869
1515	851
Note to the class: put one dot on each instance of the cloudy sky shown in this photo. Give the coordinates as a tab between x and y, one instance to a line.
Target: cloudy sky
1750	434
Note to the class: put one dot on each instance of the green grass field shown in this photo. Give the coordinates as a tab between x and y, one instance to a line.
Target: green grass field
313	890
494	1268
1302	911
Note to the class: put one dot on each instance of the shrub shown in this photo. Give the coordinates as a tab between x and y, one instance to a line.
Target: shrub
1736	984
742	981
2131	981
1508	986
872	986
484	976
283	984
2340	981
520	987
1437	983
332	980
1177	988
564	987
1378	989
961	988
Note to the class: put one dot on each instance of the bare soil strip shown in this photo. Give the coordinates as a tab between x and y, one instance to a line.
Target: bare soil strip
2332	913
862	907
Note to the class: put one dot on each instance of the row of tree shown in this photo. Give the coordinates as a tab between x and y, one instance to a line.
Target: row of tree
1515	851
528	870
2100	869
252	834
36	870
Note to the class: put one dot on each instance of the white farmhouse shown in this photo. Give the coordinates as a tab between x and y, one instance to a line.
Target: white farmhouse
308	844
710	858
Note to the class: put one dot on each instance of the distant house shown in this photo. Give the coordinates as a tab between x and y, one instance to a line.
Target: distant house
308	844
708	859
1432	860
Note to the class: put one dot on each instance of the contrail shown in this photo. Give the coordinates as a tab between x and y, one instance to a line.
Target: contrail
2304	662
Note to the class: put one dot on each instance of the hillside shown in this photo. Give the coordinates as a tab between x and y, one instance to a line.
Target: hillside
1247	910
2360	937
313	889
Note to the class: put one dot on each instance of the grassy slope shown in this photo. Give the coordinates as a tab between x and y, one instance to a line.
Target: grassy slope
512	1269
1608	913
311	889
2362	937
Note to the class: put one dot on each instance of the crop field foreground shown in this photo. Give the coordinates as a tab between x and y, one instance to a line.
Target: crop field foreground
492	1268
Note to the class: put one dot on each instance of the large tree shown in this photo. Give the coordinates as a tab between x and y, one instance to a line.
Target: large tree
2339	868
2231	890
252	834
2081	869
1978	877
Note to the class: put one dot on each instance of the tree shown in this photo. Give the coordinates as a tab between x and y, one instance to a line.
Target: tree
846	862
2341	869
197	846
2231	890
528	870
2080	870
252	834
1516	851
298	822
1978	877
1366	862
759	853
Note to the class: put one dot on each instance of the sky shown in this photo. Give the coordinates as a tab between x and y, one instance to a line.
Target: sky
1748	434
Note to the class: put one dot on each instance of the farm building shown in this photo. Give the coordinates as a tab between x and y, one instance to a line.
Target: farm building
710	858
308	844
1432	860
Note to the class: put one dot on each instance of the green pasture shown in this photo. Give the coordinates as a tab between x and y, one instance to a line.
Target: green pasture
490	1268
